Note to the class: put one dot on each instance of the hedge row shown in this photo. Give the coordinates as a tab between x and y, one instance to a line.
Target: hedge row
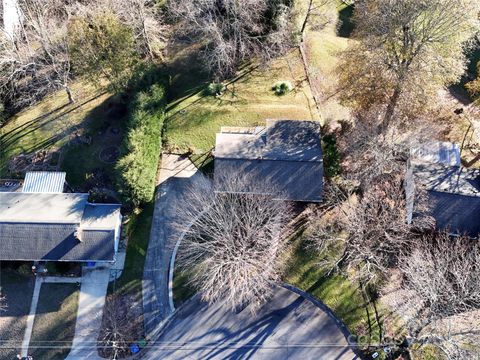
137	169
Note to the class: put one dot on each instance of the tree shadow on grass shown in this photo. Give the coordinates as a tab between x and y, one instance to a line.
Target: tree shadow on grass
346	24
16	134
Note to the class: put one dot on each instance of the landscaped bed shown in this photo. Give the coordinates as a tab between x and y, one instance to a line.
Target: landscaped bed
18	290
54	325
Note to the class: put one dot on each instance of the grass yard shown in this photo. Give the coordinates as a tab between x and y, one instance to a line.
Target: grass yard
182	291
54	325
338	292
193	117
50	124
18	290
138	232
322	49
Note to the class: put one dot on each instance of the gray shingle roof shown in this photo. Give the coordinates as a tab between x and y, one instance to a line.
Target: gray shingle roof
27	241
449	179
285	156
39	226
281	140
293	140
453	191
458	213
437	152
288	180
100	216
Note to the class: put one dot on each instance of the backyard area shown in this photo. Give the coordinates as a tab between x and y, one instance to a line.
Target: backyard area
82	138
193	117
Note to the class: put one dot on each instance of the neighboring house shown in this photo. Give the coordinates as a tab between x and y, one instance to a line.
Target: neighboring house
41	223
283	159
453	191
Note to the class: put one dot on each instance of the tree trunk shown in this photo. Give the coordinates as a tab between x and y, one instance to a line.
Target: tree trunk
71	100
305	21
390	110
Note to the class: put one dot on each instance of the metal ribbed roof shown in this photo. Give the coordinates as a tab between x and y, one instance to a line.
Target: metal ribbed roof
437	152
44	182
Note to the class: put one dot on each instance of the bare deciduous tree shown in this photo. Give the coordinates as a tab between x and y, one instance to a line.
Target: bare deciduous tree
235	31
376	229
407	49
443	272
144	17
38	61
119	328
234	242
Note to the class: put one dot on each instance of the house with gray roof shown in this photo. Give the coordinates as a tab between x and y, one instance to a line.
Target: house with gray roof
50	225
453	191
283	159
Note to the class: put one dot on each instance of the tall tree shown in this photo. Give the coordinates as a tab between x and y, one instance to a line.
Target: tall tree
406	50
38	62
102	46
443	274
235	30
233	247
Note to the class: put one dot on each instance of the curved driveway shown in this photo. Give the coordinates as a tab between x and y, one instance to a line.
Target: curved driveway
176	174
287	327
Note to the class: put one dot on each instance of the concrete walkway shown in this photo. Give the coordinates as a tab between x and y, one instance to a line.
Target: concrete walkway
176	174
31	317
90	311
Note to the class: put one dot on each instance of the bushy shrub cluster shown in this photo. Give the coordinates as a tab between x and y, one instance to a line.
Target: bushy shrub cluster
137	169
215	89
282	87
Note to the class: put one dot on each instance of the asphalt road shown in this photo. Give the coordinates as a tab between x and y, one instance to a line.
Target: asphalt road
287	327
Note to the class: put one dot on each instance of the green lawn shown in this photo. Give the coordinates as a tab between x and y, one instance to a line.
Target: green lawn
182	291
322	50
49	124
338	292
54	325
138	232
193	117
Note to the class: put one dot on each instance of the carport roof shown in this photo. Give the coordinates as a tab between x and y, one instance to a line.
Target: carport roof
42	208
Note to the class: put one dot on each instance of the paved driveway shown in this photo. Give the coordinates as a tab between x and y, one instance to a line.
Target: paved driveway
287	327
177	173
